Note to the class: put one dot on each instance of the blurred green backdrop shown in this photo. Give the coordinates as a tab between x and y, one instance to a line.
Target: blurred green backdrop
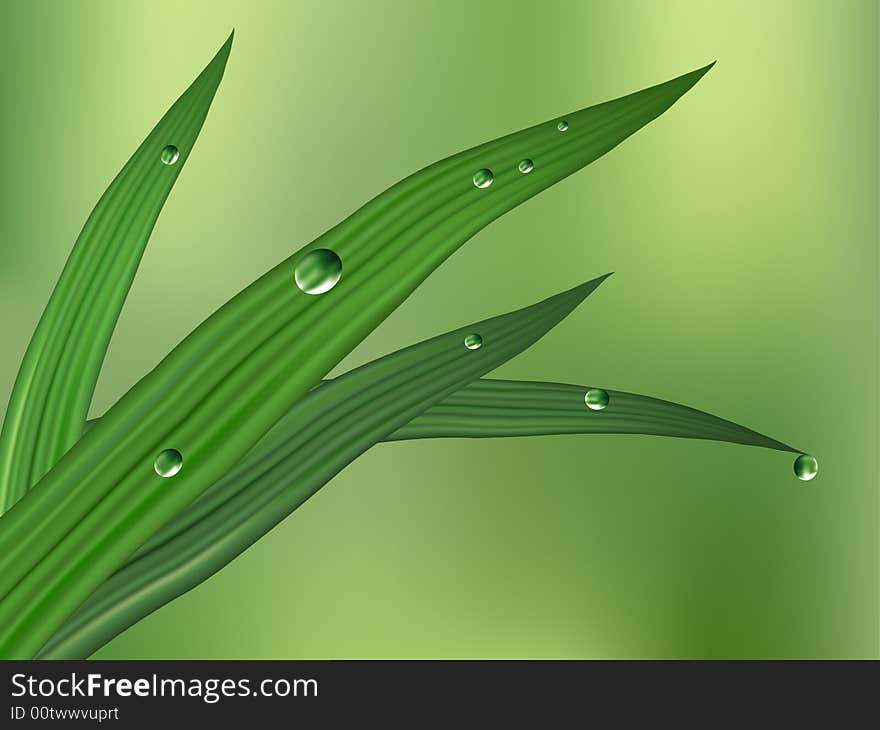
743	229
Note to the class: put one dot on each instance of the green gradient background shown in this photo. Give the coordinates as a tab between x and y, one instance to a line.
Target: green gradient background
743	229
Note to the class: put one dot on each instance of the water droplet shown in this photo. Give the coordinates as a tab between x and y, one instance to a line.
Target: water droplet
483	178
318	271
526	166
168	463
806	467
562	126
596	399
170	155
473	342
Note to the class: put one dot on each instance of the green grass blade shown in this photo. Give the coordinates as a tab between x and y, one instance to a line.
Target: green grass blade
325	432
221	389
500	408
236	512
54	387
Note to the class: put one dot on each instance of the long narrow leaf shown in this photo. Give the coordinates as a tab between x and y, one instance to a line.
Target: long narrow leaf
226	384
54	387
498	408
237	511
325	432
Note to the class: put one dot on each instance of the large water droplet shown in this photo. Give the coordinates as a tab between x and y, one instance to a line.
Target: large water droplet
318	271
596	399
170	155
806	467
526	166
483	178
168	463
562	126
473	342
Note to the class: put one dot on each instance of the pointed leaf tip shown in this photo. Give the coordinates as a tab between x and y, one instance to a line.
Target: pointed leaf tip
700	72
222	55
579	293
594	284
56	380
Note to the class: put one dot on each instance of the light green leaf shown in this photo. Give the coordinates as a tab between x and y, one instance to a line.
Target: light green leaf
56	381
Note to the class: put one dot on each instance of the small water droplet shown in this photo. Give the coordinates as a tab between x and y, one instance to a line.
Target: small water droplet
562	126
526	166
170	155
473	342
318	271
483	178
806	467
596	399
168	463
